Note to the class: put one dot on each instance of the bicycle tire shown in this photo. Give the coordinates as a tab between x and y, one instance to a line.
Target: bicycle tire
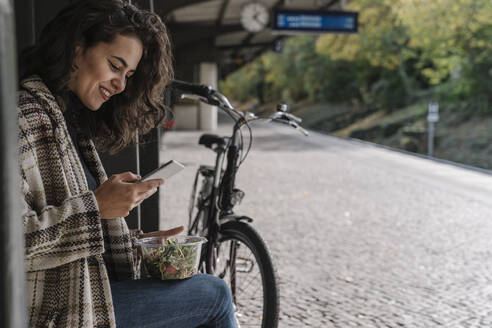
238	234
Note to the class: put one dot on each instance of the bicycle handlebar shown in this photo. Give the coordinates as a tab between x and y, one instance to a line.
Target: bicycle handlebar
287	117
205	93
195	89
210	96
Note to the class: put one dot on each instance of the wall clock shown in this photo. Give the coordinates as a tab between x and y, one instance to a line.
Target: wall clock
254	17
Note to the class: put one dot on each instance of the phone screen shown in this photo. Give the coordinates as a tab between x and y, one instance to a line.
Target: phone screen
165	171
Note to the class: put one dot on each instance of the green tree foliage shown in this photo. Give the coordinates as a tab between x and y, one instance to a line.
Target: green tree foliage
405	50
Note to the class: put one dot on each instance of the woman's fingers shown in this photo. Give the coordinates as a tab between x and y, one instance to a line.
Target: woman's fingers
163	233
144	195
143	190
127	177
173	231
143	187
147	194
116	196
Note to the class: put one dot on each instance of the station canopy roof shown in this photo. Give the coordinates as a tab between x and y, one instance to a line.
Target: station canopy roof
211	30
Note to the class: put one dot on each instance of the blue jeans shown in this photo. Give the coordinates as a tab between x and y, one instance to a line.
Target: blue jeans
202	300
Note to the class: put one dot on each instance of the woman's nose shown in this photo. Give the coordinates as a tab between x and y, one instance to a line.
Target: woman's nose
119	84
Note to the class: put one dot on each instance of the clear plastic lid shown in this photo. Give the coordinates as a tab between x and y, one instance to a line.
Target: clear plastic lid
179	240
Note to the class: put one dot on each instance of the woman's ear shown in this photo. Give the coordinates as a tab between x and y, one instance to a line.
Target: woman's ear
78	52
75	67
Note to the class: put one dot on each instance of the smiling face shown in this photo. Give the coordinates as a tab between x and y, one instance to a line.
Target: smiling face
103	70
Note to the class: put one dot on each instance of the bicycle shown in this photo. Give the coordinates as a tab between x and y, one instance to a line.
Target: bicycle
234	251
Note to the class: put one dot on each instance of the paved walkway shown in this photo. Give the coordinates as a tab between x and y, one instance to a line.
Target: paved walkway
362	236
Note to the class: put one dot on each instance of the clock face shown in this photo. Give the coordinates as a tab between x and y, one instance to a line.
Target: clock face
254	16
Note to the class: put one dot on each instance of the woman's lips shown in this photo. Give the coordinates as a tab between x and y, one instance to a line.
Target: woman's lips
104	93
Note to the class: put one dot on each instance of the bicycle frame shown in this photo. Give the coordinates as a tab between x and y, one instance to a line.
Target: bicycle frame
221	192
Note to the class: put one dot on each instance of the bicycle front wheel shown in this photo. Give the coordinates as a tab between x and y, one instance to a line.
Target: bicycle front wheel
243	260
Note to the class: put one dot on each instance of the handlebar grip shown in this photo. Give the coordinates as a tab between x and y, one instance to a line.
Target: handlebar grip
196	89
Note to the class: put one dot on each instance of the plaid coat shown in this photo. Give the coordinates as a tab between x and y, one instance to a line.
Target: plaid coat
69	250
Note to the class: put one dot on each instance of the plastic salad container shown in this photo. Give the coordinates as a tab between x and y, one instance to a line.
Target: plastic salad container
177	257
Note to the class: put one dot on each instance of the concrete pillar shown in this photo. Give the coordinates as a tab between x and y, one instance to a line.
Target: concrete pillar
12	277
207	113
186	117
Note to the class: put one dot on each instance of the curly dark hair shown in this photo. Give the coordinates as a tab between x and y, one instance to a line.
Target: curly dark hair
140	107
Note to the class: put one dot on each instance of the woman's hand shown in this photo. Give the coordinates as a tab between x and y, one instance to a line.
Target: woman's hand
163	233
117	196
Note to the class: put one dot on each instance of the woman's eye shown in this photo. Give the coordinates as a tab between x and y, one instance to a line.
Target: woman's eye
114	67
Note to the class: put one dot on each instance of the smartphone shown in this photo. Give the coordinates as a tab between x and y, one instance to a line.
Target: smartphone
165	171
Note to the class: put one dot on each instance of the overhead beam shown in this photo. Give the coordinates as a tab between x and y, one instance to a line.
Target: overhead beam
238	47
329	4
189	33
232	67
245	43
222	10
278	4
205	30
247	39
164	8
200	51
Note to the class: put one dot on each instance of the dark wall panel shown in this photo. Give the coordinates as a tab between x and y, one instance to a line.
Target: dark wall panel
149	160
24	23
45	10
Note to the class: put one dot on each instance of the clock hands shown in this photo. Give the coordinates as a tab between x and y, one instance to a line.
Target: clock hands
254	16
261	19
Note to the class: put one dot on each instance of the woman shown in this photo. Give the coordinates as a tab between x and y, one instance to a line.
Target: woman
93	79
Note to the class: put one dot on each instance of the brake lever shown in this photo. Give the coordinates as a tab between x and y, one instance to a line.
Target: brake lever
286	117
276	116
299	128
206	100
250	116
292	117
222	99
290	123
193	97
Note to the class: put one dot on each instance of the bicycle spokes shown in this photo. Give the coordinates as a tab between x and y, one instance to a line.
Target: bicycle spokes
235	263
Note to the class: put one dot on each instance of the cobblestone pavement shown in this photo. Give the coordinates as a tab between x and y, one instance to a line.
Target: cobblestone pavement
362	236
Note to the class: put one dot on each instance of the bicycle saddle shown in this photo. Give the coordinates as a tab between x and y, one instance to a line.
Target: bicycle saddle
208	140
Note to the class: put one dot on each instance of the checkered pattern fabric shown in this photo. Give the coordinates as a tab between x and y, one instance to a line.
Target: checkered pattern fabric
69	251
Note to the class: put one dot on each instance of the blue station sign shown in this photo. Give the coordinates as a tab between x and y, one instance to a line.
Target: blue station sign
314	21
